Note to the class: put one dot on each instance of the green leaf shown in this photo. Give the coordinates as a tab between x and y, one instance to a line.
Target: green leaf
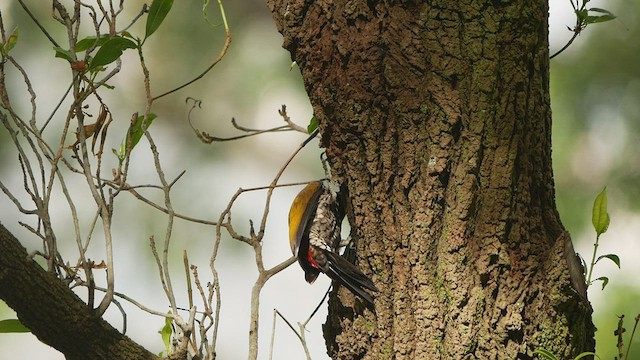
545	354
166	332
136	131
111	51
90	41
119	153
582	14
585	354
157	12
11	42
600	217
612	257
598	19
313	125
12	326
64	54
602	11
593	19
604	279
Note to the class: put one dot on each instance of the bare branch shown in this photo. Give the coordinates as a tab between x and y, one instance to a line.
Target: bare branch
14	200
144	10
169	229
287	119
138	196
273	334
35	20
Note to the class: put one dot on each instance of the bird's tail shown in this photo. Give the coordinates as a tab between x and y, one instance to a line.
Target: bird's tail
349	275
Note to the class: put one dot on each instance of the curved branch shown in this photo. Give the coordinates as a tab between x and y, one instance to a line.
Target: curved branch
223	52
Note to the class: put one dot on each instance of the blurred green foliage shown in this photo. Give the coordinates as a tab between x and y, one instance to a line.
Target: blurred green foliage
595	92
595	87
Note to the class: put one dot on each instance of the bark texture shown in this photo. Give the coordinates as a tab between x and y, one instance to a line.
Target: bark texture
437	117
54	313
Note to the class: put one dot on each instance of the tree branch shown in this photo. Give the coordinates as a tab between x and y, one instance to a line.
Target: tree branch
54	313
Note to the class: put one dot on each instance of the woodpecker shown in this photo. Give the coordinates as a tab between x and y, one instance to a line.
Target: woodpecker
315	220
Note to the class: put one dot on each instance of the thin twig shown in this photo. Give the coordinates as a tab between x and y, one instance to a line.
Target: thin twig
287	119
187	271
158	207
156	256
13	199
124	316
299	335
169	229
137	304
209	139
35	20
57	107
273	334
223	52
144	10
633	333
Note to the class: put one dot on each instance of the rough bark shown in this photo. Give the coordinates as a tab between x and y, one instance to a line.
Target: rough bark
54	313
437	116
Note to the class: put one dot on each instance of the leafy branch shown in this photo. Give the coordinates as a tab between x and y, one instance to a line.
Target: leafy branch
600	220
584	17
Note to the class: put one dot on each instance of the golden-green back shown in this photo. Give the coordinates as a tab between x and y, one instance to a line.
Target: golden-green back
300	212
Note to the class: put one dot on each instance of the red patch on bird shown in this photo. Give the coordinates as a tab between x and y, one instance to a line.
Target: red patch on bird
311	260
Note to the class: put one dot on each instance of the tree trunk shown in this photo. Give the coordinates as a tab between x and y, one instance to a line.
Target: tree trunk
54	313
437	117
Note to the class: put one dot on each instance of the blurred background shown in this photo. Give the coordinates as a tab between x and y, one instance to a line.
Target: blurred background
595	89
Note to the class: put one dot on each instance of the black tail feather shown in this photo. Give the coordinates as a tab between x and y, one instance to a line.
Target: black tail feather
350	276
